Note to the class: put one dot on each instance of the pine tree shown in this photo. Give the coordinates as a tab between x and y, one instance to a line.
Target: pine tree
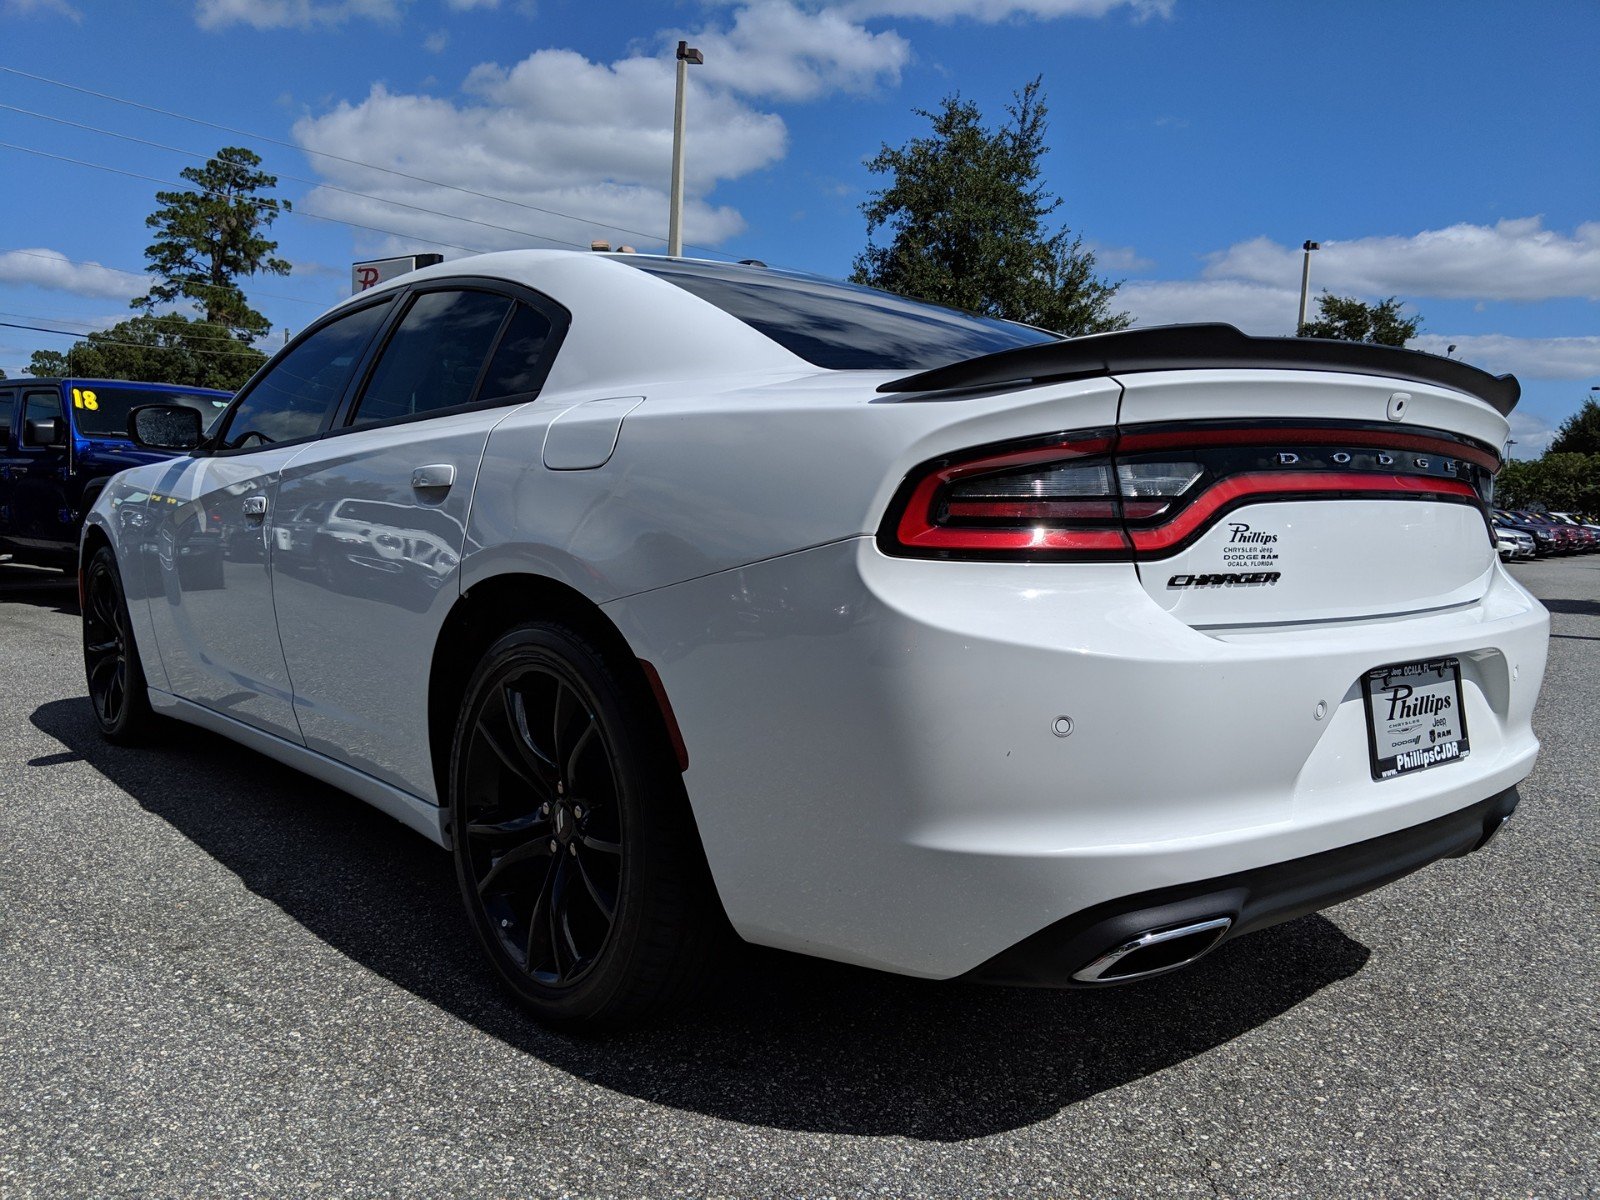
969	224
210	238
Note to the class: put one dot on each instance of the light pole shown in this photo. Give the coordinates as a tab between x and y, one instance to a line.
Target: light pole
1305	284
686	55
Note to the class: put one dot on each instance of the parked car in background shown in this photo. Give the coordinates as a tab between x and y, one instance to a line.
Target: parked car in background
669	595
1546	540
60	440
1583	519
1588	535
1564	538
1513	543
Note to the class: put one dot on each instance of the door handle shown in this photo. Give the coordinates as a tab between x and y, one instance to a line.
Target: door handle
255	507
436	477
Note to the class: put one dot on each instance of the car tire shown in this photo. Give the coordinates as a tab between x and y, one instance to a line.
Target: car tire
575	848
112	670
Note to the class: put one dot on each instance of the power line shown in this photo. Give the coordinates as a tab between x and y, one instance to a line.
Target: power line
96	327
189	280
136	345
354	162
236	167
294	212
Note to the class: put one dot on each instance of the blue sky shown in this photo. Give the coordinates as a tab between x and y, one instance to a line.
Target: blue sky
1447	153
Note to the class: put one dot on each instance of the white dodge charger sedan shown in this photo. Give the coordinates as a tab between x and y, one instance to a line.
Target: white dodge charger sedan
672	595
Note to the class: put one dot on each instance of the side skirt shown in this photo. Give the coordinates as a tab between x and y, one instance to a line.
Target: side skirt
412	811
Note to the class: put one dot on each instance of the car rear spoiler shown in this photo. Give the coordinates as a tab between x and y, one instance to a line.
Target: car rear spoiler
1209	346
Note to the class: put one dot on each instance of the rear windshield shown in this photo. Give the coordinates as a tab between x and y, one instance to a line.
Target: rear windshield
101	409
840	325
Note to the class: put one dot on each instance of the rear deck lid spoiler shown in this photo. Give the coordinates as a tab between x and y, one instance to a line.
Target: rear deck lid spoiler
1207	346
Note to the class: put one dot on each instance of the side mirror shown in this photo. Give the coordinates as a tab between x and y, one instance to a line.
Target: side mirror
44	431
166	427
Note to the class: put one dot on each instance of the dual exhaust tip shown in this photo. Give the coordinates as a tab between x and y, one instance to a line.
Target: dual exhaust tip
1156	951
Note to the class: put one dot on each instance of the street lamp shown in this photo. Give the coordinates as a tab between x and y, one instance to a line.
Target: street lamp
686	55
1305	284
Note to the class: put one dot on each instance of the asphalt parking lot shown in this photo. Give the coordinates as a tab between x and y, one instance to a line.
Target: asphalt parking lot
218	977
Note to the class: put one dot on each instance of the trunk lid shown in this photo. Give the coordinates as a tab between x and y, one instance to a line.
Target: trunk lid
1315	496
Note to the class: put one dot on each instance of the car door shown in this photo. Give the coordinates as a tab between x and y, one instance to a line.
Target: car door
212	607
8	412
362	591
39	466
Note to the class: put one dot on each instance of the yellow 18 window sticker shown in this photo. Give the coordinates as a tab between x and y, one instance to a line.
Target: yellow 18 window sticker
84	398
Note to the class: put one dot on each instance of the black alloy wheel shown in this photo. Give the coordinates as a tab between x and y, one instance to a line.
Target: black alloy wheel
574	848
544	839
110	656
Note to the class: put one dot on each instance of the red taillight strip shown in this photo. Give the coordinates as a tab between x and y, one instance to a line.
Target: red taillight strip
1290	435
920	535
1262	486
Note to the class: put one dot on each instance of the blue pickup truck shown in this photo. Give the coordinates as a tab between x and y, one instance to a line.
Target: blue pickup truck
60	440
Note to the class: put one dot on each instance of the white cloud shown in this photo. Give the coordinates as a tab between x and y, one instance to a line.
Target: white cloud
775	48
556	131
1531	433
1001	10
1510	260
469	5
1117	258
53	271
29	8
1253	307
436	41
1269	311
293	14
1529	358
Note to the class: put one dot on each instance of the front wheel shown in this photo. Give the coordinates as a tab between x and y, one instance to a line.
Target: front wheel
110	656
574	845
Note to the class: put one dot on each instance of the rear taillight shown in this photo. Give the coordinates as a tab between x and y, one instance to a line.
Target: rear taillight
1053	497
1150	491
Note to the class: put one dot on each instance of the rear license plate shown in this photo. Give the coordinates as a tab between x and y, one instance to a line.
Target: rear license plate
1415	718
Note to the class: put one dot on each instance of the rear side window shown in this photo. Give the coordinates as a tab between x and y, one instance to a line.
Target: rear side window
8	408
293	399
435	356
519	364
841	325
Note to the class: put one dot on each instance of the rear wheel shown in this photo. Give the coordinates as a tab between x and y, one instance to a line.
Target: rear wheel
110	656
574	845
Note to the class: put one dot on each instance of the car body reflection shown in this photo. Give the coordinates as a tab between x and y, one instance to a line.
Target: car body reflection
358	547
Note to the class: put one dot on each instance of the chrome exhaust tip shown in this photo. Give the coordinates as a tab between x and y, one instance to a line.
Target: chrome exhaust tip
1156	951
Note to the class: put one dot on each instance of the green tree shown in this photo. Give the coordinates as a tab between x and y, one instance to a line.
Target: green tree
1579	433
1565	482
1349	320
46	364
170	348
210	238
968	223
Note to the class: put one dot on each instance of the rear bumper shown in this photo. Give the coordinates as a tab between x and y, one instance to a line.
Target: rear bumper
881	771
1251	900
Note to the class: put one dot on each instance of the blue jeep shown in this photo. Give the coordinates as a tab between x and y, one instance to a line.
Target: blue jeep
60	440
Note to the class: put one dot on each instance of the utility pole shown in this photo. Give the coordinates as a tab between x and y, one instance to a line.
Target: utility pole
1305	284
686	55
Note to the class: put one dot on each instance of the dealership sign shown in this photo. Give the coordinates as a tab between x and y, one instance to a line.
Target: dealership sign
378	270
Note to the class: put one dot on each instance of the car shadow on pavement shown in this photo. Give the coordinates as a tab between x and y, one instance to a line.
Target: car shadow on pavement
1577	608
39	586
782	1041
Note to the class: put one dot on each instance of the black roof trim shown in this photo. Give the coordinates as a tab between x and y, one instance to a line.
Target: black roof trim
1194	347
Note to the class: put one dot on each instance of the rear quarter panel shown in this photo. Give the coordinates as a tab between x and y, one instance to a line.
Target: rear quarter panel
709	477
